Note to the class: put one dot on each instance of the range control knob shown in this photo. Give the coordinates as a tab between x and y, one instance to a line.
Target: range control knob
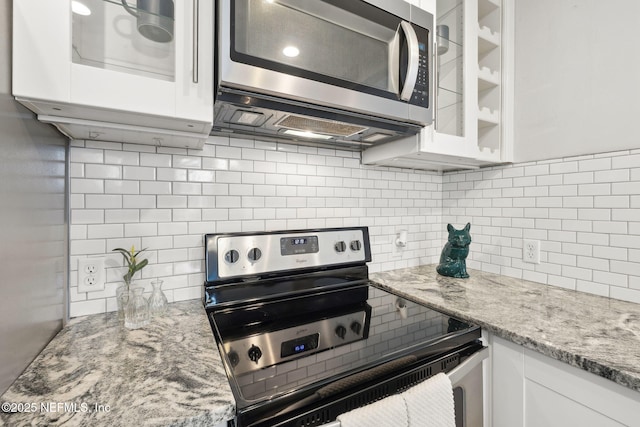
356	327
341	246
233	358
355	245
231	256
341	331
254	254
254	353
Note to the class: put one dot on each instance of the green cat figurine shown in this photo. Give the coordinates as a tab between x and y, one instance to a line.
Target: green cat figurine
454	253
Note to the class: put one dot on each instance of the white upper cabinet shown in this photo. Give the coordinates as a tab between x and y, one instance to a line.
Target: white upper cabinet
472	84
139	71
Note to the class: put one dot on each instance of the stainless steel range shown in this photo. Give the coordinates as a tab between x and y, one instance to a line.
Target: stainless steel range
305	337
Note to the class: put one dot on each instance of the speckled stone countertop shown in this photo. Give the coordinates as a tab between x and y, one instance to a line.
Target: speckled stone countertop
597	334
168	373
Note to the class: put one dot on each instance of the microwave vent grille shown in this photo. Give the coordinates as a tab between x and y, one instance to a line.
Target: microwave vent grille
327	127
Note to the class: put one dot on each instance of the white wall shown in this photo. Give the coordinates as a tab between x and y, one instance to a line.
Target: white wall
166	199
577	89
585	211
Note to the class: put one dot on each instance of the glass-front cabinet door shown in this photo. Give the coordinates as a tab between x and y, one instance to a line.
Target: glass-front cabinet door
102	60
135	39
455	56
450	62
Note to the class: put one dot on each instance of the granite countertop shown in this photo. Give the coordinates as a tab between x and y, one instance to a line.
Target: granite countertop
597	334
168	373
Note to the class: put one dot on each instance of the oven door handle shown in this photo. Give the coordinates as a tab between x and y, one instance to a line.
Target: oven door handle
458	373
455	376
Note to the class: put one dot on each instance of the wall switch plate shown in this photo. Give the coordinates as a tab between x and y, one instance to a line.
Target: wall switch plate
91	274
531	251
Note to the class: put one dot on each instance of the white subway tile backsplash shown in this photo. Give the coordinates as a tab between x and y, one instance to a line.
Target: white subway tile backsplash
581	210
102	201
632	295
625	162
86	155
600	164
121	187
119	158
105	231
611	201
186	162
155	160
138	201
173	228
140	229
87	216
613	175
87	186
87	247
584	212
102	171
138	173
172	175
155	215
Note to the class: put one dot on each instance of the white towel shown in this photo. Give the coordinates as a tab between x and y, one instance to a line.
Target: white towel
430	403
388	412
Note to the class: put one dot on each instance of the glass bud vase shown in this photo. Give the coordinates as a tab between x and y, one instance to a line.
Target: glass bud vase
122	297
136	314
158	303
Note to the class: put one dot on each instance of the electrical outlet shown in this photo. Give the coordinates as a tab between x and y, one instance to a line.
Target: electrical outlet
399	244
531	251
90	274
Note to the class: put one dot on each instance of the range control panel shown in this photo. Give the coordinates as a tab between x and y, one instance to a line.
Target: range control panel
246	254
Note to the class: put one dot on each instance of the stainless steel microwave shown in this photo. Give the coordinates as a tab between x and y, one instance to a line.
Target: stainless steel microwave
347	71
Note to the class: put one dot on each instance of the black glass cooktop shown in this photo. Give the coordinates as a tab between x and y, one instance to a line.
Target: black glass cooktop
298	346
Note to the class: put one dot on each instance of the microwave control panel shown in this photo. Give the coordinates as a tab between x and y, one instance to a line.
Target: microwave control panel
420	95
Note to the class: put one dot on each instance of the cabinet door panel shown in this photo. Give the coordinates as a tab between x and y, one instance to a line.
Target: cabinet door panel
41	54
546	408
155	97
194	58
507	383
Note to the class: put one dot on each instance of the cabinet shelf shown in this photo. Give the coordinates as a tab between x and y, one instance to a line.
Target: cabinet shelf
486	7
488	117
487	79
489	155
448	98
487	40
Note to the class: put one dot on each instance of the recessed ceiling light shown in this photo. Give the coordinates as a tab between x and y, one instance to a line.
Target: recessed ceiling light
291	51
79	8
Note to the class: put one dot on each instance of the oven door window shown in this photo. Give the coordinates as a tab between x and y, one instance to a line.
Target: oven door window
349	44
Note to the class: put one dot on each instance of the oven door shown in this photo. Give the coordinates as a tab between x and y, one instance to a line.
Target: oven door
466	380
350	55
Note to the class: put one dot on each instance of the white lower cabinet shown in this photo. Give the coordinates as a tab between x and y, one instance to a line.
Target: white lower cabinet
529	389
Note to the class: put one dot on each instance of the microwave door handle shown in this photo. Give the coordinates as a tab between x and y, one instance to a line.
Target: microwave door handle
413	61
394	63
